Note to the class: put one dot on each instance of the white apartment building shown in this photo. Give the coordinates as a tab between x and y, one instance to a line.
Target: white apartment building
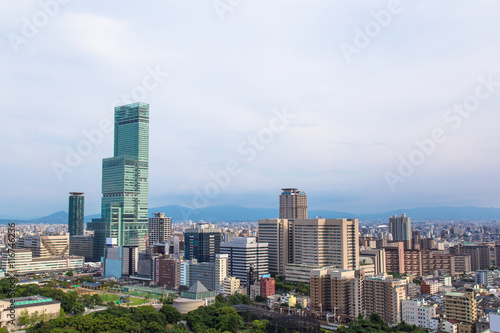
221	270
418	312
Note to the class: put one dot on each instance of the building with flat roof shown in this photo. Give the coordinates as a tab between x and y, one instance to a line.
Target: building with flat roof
484	277
326	242
400	229
82	246
418	312
202	242
277	233
463	308
160	228
27	305
230	286
45	246
24	263
76	213
383	295
203	272
333	290
243	253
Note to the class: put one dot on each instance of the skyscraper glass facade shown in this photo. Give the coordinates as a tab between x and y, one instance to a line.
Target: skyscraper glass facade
124	205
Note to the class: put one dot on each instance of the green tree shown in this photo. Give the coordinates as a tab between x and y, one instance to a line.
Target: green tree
24	317
69	273
233	324
172	316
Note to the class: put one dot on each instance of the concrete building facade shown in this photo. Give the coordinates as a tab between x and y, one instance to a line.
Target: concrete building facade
244	253
293	204
326	242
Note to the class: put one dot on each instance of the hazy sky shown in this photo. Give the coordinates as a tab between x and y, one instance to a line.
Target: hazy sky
356	84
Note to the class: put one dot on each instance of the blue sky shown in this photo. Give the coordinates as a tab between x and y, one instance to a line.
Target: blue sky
366	85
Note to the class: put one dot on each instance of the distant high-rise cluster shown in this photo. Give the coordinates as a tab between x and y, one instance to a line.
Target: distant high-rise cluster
400	228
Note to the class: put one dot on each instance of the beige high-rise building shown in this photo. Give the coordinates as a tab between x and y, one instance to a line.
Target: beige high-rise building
276	232
230	286
383	295
46	246
326	242
160	228
293	204
461	307
221	271
337	291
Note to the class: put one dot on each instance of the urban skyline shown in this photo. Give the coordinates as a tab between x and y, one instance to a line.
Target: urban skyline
352	123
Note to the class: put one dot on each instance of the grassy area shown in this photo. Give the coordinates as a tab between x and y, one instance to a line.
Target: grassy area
113	298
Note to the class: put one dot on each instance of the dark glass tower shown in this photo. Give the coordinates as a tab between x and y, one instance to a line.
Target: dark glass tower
202	242
75	213
124	205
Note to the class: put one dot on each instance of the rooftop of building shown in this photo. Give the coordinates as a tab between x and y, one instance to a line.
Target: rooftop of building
30	301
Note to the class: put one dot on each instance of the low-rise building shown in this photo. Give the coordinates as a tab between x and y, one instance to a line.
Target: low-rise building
418	312
23	262
25	306
230	286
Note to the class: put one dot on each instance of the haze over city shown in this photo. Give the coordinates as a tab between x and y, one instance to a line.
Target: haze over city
289	93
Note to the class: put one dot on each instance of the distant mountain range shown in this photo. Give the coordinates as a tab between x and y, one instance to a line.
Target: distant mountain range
233	213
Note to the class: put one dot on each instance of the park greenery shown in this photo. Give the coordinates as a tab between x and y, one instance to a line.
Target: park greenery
71	302
375	324
117	319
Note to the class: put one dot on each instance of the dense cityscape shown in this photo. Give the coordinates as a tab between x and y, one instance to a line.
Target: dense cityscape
286	273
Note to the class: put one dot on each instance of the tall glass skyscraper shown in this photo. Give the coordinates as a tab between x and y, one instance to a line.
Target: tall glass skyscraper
75	213
124	205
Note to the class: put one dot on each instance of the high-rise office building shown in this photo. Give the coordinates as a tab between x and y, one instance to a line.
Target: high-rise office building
244	253
82	246
160	228
202	242
326	242
124	205
75	213
400	229
293	204
276	233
